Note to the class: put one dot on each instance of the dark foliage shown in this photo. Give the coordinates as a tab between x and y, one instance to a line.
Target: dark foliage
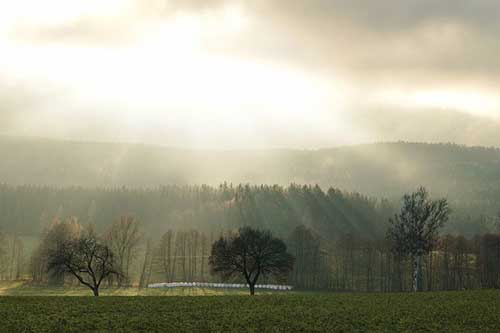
251	253
413	232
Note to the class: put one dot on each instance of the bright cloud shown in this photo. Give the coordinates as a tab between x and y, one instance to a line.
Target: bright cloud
226	73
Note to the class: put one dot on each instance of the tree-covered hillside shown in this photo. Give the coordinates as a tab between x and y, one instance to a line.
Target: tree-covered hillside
382	170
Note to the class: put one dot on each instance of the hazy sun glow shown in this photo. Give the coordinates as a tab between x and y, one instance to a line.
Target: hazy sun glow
167	77
207	73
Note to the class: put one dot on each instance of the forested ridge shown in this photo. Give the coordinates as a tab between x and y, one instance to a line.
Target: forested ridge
468	175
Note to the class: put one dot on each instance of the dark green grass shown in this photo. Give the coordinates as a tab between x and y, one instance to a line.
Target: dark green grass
443	311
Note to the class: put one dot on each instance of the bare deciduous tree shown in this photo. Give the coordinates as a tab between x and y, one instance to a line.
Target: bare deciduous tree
165	255
124	238
147	265
251	253
89	261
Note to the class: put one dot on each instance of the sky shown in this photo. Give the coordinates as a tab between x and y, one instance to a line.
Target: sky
251	74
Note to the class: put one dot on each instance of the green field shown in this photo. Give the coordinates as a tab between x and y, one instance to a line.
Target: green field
440	311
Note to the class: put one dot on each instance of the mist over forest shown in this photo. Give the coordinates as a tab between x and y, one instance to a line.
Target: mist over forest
180	188
380	169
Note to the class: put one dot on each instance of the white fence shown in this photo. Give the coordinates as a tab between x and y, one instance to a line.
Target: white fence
218	285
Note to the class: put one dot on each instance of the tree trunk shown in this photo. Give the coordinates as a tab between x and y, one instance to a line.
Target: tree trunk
252	289
429	273
147	258
417	272
12	258
96	291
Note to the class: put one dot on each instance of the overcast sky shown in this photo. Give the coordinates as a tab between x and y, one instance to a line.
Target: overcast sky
249	74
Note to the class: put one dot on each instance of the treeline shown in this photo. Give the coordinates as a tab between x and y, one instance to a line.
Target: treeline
165	234
140	259
123	238
347	262
355	264
13	257
27	210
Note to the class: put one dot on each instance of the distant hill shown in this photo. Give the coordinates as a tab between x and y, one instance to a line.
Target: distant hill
468	174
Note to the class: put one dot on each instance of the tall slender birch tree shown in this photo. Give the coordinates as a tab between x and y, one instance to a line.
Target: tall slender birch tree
415	228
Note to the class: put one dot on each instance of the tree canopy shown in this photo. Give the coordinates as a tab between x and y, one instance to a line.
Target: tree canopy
250	253
415	229
87	259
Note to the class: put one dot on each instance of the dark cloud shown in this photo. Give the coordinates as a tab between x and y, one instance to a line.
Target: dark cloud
450	37
388	14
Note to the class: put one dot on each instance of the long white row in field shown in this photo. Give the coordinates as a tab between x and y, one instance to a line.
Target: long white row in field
217	285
